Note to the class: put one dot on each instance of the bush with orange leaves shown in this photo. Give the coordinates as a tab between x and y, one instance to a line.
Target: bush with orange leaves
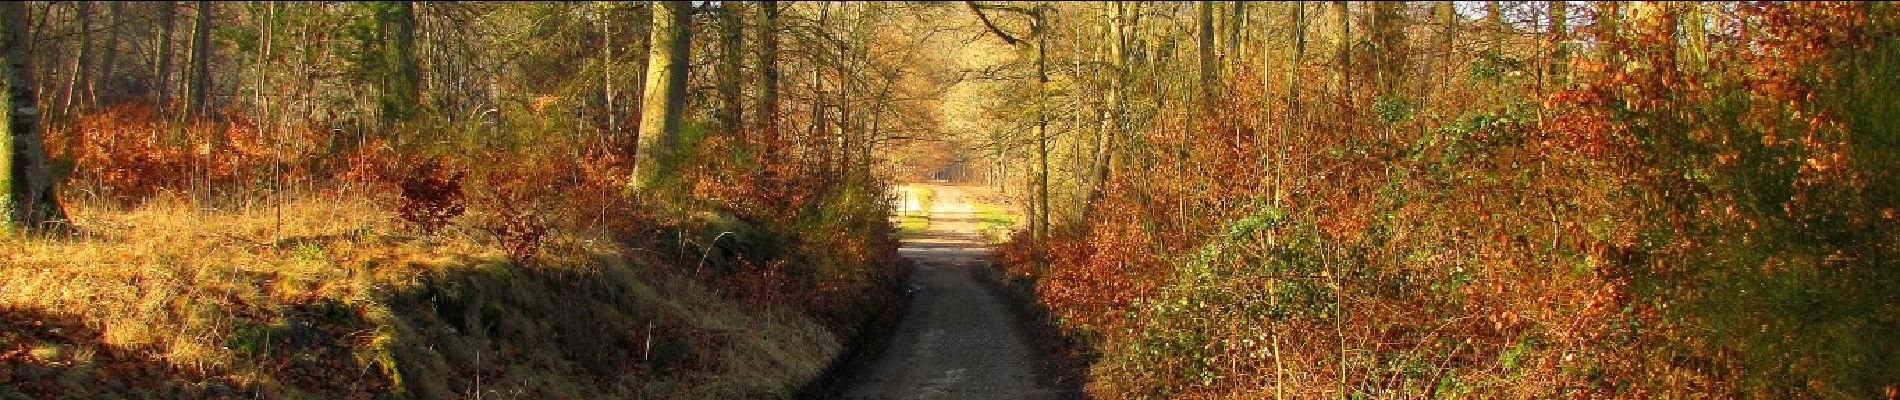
1669	227
128	154
431	195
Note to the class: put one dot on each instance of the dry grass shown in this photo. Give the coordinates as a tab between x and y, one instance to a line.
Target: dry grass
338	300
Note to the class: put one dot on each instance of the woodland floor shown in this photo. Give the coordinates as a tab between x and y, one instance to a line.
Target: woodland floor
960	339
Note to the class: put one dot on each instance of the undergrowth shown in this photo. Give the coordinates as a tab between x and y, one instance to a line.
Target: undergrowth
1662	228
314	263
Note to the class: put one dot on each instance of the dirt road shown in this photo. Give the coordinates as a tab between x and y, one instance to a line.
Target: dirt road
959	340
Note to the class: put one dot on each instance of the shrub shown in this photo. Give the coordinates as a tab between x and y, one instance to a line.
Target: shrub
431	195
516	223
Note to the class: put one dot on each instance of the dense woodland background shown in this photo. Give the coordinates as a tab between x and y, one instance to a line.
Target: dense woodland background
1470	199
1224	199
450	200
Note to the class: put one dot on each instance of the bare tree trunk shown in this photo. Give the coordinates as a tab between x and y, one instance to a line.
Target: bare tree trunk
1236	28
1106	138
1344	41
643	41
1039	31
402	93
161	87
108	63
1388	46
1559	38
665	88
612	127
1694	20
1204	16
82	12
1278	167
731	46
841	163
1448	19
26	189
200	60
767	110
1494	20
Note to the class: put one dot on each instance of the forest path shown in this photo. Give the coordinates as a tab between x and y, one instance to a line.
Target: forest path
960	340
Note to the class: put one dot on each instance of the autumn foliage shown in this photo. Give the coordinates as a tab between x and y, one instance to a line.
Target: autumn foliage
431	195
1701	217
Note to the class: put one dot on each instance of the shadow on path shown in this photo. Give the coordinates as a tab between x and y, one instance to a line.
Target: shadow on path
960	340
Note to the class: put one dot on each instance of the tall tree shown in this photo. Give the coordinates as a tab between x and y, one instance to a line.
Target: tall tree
767	111
161	76
605	14
666	86
1447	14
1494	22
1204	17
1343	20
79	79
731	48
1559	39
1277	166
1038	46
1236	28
1039	32
1388	39
1119	27
398	70
200	59
26	189
109	60
643	40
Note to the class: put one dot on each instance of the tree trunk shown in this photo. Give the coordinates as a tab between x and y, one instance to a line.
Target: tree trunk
1204	15
1388	38
1696	37
1278	168
161	87
82	13
1559	38
108	62
841	158
1344	41
26	189
660	108
1042	124
1448	20
612	126
1106	138
1494	20
731	46
767	110
643	41
1236	28
200	60
401	92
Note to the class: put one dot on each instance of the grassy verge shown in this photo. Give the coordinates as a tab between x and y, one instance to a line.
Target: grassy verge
994	222
913	211
168	300
920	199
912	226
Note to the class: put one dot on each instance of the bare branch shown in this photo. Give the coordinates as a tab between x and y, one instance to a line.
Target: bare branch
991	25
